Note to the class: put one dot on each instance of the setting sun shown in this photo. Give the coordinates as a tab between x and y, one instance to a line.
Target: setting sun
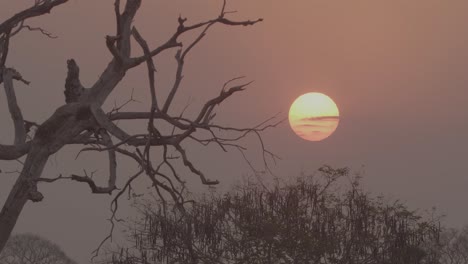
314	116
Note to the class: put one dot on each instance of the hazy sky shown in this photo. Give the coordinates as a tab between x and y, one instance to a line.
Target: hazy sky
396	69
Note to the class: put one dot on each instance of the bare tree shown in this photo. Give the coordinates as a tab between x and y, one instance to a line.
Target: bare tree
83	121
325	220
32	249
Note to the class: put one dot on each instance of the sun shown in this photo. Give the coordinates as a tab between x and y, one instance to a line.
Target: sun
314	116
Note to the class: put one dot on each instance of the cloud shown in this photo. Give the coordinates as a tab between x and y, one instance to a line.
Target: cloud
321	118
313	125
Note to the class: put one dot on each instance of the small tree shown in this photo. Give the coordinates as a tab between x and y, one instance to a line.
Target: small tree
308	221
32	249
81	120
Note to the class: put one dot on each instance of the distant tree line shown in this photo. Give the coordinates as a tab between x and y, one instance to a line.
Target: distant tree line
32	249
327	218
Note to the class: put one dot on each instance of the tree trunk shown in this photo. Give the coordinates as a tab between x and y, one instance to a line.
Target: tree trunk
67	122
23	190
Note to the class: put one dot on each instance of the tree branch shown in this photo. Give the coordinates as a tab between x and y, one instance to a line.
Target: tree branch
116	69
217	100
118	31
39	29
172	42
92	184
15	111
105	123
126	19
36	10
13	152
180	57
192	168
112	169
151	68
4	46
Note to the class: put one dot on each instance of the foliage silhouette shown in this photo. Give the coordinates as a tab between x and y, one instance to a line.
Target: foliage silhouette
326	218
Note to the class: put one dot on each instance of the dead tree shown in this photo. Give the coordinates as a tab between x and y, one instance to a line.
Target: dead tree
82	120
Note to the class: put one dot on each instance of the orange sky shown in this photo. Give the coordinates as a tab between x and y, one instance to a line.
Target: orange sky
396	69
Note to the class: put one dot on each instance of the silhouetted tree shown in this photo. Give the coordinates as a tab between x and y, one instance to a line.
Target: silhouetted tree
309	221
81	120
32	249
